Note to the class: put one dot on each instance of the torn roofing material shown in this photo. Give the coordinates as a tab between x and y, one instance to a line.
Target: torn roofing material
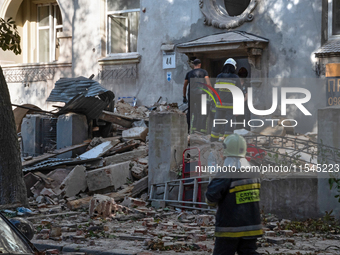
92	107
81	95
67	88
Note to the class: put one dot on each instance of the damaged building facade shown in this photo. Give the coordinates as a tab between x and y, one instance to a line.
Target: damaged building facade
138	49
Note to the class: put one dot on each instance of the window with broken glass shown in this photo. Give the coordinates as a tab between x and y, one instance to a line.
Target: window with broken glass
49	23
122	25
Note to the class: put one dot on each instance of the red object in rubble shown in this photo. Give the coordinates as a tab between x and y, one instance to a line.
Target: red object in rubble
188	170
255	153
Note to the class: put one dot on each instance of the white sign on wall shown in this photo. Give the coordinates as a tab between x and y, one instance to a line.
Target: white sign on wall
169	60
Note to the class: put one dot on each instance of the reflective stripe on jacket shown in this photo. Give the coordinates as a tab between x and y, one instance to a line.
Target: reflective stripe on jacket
238	213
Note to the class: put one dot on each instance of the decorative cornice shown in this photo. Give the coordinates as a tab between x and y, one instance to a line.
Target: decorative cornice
217	16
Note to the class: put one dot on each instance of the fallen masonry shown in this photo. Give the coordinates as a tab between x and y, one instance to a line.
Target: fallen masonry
95	199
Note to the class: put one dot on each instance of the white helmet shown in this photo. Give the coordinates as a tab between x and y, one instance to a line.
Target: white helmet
230	61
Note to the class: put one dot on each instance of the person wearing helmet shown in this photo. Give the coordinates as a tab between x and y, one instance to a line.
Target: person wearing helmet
225	111
238	220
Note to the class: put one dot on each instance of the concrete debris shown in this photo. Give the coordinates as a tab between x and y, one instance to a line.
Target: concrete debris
138	133
102	205
110	176
109	225
140	123
75	182
137	172
269	130
242	132
122	157
48	192
97	151
133	202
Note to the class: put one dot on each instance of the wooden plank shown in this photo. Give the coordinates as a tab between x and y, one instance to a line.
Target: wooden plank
140	186
133	190
54	153
84	202
123	148
113	118
121	116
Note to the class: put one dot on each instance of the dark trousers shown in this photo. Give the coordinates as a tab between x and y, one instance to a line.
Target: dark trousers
229	246
222	129
199	122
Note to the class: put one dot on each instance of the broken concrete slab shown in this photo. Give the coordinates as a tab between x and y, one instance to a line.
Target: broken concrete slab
138	133
97	151
112	175
75	182
122	157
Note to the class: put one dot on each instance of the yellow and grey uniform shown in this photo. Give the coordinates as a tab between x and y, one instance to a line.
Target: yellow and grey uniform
224	111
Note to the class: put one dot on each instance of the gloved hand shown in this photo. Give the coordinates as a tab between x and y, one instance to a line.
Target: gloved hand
185	100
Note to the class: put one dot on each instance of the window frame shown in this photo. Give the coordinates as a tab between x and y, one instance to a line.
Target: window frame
330	22
52	27
115	14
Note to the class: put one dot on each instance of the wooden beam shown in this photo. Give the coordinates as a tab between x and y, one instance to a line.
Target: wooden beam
113	118
133	190
54	153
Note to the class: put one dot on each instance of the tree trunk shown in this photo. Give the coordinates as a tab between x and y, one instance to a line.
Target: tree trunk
12	186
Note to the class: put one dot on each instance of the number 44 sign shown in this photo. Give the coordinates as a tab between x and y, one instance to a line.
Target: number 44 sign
169	60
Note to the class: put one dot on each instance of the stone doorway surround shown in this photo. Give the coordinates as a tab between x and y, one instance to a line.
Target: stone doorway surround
230	44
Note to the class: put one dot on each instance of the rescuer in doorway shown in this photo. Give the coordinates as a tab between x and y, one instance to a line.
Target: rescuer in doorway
237	195
194	97
225	111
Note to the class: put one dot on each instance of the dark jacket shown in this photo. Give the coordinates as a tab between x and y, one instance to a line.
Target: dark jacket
238	213
225	94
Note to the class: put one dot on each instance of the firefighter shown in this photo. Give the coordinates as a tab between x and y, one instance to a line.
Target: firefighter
225	111
238	221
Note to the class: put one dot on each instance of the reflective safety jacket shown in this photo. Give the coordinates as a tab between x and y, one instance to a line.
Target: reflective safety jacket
238	213
224	93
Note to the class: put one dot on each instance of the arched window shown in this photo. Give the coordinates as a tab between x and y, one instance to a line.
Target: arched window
38	22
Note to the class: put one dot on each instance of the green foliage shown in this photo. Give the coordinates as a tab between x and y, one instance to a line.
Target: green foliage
9	36
328	224
334	181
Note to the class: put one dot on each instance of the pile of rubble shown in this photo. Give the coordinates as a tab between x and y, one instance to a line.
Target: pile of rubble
153	230
133	227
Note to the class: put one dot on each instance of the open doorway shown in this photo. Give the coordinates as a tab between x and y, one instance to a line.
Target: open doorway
214	66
